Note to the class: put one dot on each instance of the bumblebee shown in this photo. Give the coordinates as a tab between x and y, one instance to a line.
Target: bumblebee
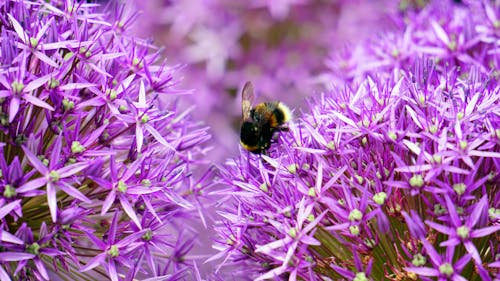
261	121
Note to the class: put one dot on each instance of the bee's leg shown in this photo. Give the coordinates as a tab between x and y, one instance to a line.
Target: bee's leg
273	136
283	129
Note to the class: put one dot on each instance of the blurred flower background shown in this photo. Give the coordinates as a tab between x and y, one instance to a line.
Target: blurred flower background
120	124
281	46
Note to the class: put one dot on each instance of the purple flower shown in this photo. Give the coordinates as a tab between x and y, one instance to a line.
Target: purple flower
464	232
17	89
100	172
113	252
444	267
400	159
31	250
54	175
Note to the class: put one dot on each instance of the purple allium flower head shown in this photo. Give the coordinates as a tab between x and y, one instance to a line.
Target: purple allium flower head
100	172
398	167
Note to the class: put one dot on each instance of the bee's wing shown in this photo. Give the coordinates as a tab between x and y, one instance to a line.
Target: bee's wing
247	100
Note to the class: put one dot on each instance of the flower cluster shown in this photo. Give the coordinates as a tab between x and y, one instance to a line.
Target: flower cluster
454	35
393	174
278	45
98	174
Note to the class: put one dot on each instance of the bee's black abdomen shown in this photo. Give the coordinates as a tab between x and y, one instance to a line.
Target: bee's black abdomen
249	134
254	137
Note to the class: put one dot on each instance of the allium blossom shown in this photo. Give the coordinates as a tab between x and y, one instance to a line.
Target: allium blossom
401	161
100	172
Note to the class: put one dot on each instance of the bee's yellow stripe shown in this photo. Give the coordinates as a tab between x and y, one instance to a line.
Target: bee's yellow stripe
287	113
248	147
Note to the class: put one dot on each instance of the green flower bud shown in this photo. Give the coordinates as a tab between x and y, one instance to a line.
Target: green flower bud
9	191
54	176
33	42
459	188
354	230
360	276
446	269
292	168
463	232
355	215
380	197
77	147
53	83
392	136
17	87
418	260
311	192
33	248
122	186
114	251
417	181
148	235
